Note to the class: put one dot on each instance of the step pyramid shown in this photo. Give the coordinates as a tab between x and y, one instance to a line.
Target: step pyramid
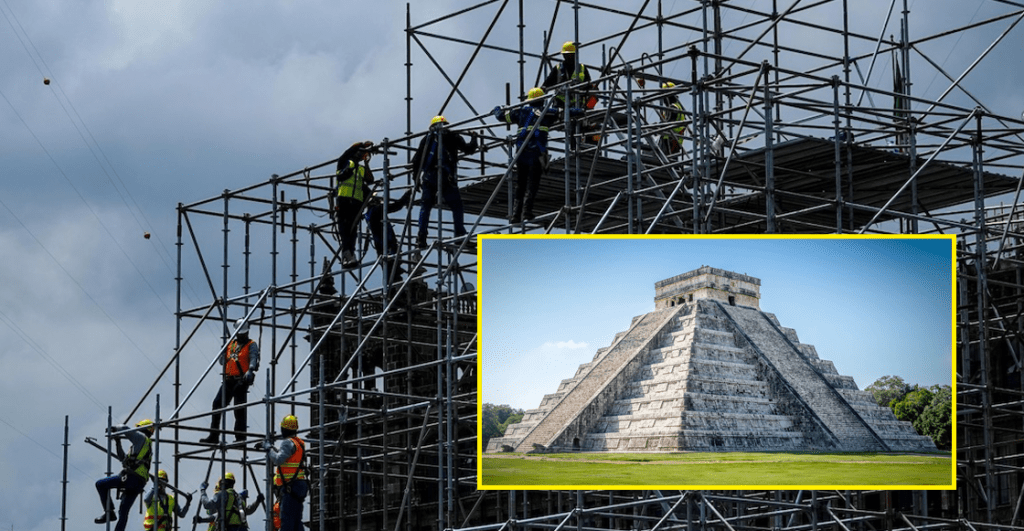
707	370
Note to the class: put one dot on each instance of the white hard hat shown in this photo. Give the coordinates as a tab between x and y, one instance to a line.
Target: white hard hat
242	326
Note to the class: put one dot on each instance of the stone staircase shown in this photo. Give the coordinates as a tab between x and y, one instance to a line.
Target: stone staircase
842	422
586	398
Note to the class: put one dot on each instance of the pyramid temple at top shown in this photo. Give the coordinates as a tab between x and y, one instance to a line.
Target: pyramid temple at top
707	370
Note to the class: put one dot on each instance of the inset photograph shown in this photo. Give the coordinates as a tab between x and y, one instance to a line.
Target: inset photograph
813	362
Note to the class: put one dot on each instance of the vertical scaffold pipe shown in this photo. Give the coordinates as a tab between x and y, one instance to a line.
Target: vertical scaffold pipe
110	426
295	278
838	155
224	314
630	157
695	139
275	206
980	261
177	336
64	480
769	159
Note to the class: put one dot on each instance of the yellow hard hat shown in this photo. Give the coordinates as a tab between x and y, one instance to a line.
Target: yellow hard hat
438	120
568	47
145	423
534	93
162	475
290	423
229	476
667	84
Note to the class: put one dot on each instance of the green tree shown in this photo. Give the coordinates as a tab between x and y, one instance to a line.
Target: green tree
936	420
496	419
912	405
888	388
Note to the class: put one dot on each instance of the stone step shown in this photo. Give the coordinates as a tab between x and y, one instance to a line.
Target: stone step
579	408
849	430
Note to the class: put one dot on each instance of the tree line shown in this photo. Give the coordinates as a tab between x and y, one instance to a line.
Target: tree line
929	409
496	419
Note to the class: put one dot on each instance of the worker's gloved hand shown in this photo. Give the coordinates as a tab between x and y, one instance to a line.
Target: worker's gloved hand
250	377
497	112
259	445
259	498
203	485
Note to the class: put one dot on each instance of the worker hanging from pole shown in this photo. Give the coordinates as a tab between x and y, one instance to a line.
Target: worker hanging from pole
671	140
134	475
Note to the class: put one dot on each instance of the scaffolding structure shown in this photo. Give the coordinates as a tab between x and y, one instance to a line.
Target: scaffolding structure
379	361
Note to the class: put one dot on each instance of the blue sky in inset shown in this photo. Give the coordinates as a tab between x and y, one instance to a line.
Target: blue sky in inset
873	306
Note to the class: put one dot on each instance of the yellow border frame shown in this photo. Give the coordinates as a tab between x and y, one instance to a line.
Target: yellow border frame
479	373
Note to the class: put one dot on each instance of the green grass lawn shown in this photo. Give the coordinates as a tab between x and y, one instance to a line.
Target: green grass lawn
727	468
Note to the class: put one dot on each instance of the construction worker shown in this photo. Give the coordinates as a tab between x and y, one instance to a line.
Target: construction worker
160	506
290	477
354	179
569	69
241	359
134	475
670	140
225	504
384	241
433	170
533	120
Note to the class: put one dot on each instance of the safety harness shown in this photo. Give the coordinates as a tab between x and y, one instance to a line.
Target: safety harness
139	463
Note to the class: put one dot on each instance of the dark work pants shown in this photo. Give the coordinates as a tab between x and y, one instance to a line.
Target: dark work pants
529	169
291	504
232	390
381	231
452	197
133	486
346	218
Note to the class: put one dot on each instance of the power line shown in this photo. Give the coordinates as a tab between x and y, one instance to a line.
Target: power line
49	451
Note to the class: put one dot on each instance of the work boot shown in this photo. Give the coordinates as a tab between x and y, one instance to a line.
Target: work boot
348	259
421	241
210	439
109	516
517	212
528	210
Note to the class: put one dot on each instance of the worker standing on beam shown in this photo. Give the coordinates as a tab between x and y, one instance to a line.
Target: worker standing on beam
133	477
354	178
569	69
435	164
161	508
290	477
533	119
241	360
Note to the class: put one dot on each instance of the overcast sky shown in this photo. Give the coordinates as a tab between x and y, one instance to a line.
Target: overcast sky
155	104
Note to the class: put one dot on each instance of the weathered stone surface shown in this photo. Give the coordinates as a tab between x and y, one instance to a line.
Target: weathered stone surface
709	375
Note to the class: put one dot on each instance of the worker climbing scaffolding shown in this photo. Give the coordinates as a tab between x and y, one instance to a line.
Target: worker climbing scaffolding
134	474
162	506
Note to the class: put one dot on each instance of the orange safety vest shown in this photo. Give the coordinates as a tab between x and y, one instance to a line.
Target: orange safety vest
292	469
237	360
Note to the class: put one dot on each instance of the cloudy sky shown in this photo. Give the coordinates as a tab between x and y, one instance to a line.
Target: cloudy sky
152	105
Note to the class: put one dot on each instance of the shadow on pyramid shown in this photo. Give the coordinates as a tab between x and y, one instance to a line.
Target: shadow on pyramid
707	370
